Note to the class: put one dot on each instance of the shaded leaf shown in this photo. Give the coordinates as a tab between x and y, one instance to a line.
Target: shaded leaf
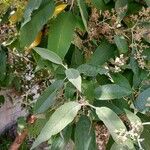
84	135
49	55
106	1
121	43
99	4
30	30
74	77
61	33
104	52
3	59
121	9
58	121
48	97
60	141
91	70
142	102
83	11
111	91
121	80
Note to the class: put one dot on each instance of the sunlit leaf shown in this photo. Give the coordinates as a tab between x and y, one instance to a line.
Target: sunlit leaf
114	124
49	55
58	121
74	77
111	91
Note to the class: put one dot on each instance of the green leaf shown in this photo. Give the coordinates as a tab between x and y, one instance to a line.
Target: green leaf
99	4
83	11
84	135
77	58
104	52
121	9
146	132
134	119
111	121
74	77
147	2
2	100
106	1
114	124
121	80
142	102
49	55
32	6
121	43
58	121
61	33
62	139
39	18
3	59
116	146
88	89
146	35
48	97
91	70
111	91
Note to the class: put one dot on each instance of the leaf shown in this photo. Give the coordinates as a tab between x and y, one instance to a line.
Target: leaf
59	9
116	146
61	141
91	70
88	90
99	4
106	1
121	7
111	91
146	132
2	100
143	100
61	33
121	81
77	58
147	2
104	52
48	97
84	135
58	121
3	59
83	11
111	121
121	43
146	34
74	77
32	6
114	124
134	119
49	55
39	18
